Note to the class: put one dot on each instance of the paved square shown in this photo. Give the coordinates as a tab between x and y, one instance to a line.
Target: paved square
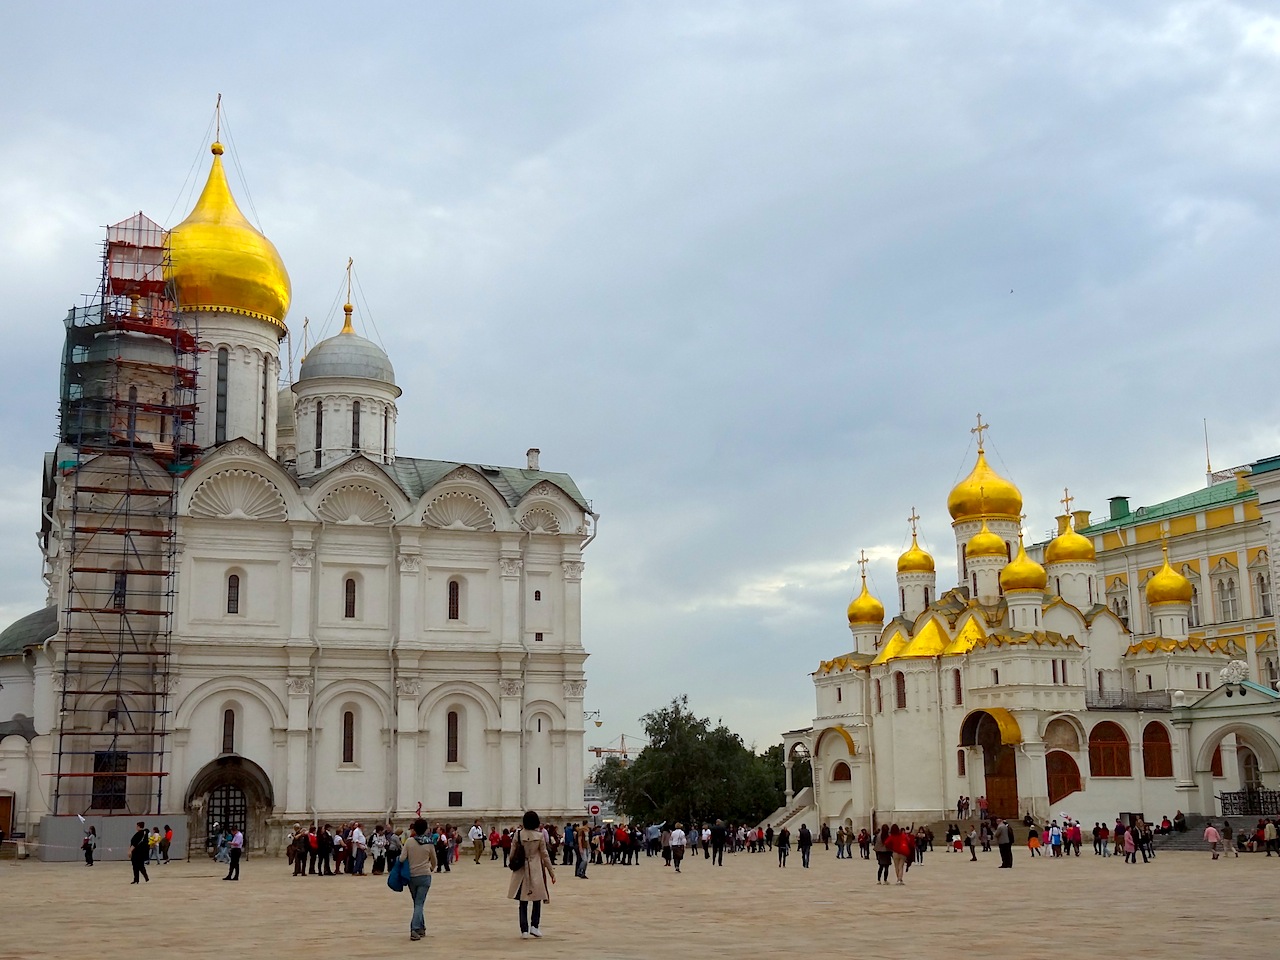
1180	905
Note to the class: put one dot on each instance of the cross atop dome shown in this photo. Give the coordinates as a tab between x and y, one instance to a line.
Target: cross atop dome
980	429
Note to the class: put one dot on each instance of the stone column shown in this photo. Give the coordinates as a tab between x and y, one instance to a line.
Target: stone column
1033	778
302	557
786	767
407	693
574	691
296	799
512	691
511	566
175	790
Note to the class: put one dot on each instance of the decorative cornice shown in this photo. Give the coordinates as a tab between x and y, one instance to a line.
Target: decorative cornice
575	689
511	688
408	686
299	686
409	562
572	569
511	566
302	559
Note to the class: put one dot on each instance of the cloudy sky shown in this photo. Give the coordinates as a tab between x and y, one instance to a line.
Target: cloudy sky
746	270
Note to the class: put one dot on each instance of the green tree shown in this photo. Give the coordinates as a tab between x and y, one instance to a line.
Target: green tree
691	772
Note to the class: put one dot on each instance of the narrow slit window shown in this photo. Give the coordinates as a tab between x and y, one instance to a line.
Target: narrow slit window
349	607
228	731
220	399
455	598
451	755
355	426
348	736
319	433
233	593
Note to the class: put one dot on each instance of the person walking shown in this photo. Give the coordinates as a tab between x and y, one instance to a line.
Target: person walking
804	843
89	844
1211	836
902	847
972	841
582	837
884	856
139	849
236	849
783	842
166	841
476	836
719	836
840	838
1228	838
678	842
420	854
529	881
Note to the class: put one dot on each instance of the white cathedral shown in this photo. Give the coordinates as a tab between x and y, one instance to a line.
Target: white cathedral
259	611
1029	684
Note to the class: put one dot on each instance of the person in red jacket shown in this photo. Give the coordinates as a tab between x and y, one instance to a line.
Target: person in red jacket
902	845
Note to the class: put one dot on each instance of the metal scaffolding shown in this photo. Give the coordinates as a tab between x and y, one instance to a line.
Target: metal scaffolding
128	408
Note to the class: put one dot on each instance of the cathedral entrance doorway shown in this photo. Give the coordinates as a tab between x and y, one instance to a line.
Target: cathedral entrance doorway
234	792
1063	775
995	732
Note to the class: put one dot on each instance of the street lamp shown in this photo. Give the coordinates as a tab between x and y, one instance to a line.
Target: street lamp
593	715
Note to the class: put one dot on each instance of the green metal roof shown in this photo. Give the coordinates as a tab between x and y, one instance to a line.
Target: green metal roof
34	628
416	477
1217	495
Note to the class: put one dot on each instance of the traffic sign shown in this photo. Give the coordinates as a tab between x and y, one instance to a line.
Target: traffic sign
593	809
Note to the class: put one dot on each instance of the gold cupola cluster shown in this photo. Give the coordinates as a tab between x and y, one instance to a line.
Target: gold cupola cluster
1168	585
219	263
1023	573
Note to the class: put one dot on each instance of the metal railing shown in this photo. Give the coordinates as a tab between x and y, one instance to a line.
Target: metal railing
1129	700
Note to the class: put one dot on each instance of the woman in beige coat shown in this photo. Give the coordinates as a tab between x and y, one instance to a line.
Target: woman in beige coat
529	883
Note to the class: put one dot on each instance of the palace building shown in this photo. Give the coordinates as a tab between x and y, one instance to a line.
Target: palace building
259	610
1124	666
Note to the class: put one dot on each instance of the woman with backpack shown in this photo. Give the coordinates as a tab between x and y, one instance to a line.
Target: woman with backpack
531	867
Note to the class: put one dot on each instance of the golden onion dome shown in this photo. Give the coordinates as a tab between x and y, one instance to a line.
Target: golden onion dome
1069	547
984	493
984	543
1168	586
915	560
866	609
220	263
1023	573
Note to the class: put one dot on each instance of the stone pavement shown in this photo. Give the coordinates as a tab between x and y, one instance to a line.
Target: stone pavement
1181	905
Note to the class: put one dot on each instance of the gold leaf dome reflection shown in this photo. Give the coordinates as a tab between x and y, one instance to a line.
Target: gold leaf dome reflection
219	262
865	608
915	560
1069	546
984	493
984	543
1023	573
1168	586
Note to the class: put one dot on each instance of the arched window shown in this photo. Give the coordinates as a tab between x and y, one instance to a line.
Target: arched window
1109	751
1194	620
900	690
349	736
841	773
319	433
228	731
1062	774
233	593
1264	594
266	397
1157	751
957	684
926	596
386	433
537	596
355	426
960	765
220	398
879	697
133	414
349	600
451	723
455	600
1228	599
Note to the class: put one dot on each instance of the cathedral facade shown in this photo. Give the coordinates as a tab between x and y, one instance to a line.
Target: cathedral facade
260	611
1086	674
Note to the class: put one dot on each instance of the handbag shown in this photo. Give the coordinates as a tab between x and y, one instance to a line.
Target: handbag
398	875
516	861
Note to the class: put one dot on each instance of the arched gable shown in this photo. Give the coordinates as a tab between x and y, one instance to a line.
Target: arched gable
464	499
553	711
244	460
546	508
238	686
461	689
358	491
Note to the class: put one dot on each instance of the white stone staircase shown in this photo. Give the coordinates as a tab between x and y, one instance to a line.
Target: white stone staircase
800	804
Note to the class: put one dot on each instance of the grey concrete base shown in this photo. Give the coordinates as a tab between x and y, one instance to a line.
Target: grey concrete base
60	837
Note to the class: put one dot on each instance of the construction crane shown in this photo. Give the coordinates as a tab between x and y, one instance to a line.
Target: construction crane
622	750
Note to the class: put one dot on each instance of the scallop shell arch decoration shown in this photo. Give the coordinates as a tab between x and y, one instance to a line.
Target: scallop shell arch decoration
355	503
457	510
238	495
540	520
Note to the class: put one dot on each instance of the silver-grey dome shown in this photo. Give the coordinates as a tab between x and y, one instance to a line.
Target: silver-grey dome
284	409
347	355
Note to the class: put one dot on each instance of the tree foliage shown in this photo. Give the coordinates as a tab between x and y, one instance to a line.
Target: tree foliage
691	772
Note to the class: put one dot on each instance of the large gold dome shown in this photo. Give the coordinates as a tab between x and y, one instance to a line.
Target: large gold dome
1168	586
1023	573
984	493
1069	547
915	560
865	608
220	263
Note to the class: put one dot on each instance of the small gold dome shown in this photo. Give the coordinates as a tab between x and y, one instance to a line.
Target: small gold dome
220	263
984	493
984	543
915	560
865	608
1168	586
1023	573
1069	546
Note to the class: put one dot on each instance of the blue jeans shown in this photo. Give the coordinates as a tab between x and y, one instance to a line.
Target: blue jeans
580	870
804	857
418	887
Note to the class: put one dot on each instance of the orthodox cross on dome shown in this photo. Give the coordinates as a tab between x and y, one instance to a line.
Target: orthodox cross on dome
980	429
1067	500
862	564
217	119
913	520
347	308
